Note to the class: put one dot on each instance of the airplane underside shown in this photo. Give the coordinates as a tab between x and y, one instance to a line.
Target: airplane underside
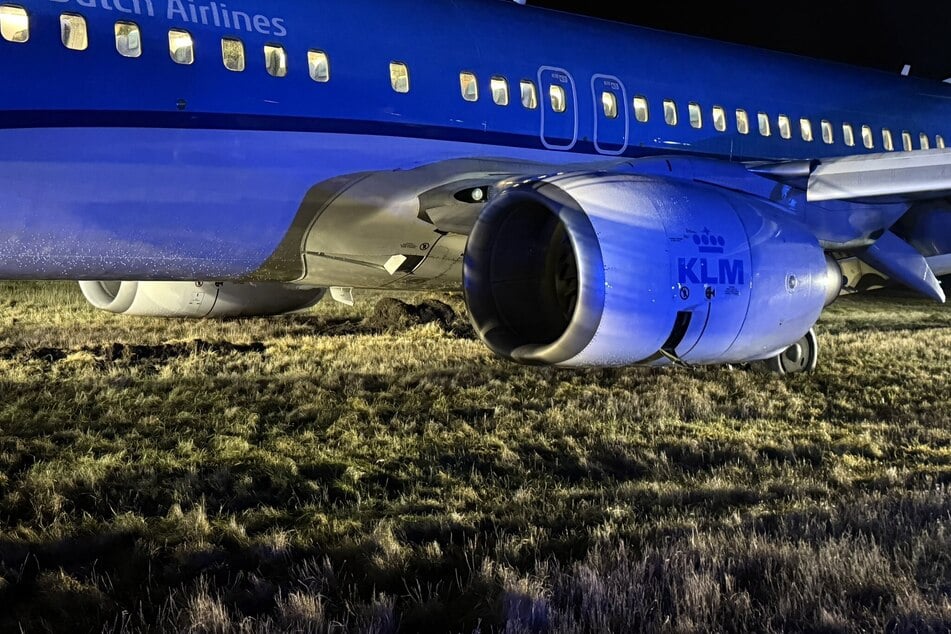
563	261
172	204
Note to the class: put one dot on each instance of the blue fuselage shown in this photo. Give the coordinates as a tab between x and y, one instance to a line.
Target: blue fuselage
141	167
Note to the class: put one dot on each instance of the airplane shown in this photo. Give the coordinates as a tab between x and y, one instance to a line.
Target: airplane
603	194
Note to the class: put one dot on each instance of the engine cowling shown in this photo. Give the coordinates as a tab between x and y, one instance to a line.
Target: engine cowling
198	299
618	269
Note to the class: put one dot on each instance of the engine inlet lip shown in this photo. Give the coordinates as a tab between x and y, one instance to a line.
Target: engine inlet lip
101	296
589	307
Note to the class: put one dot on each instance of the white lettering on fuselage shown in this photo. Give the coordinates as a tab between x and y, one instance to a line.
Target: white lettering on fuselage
214	14
135	7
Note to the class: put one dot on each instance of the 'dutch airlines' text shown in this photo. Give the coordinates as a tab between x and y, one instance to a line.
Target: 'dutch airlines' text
212	14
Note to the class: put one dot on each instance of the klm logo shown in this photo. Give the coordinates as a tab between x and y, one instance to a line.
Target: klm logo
710	271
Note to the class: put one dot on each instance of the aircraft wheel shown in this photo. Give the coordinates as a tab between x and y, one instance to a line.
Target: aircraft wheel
802	356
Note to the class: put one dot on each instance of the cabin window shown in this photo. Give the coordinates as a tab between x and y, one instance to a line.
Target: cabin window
318	65
557	98
694	115
529	94
670	112
805	130
828	134
641	113
867	139
500	90
906	140
128	39
275	60
399	77
469	86
887	142
181	47
923	141
939	141
719	119
785	128
609	104
742	121
232	54
72	29
848	134
763	121
14	23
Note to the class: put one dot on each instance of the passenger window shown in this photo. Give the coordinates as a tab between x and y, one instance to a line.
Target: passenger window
14	23
923	141
670	112
500	90
641	113
763	120
469	86
828	134
528	94
719	119
867	139
887	142
72	29
609	104
695	115
399	77
742	121
785	128
557	97
805	130
939	141
128	39
318	65
848	134
181	47
906	140
275	60
232	54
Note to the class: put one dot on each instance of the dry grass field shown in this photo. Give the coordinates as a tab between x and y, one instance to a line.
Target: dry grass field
376	469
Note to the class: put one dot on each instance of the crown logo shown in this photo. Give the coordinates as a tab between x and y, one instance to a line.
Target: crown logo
709	242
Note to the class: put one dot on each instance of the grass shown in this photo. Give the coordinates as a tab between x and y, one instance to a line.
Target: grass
375	468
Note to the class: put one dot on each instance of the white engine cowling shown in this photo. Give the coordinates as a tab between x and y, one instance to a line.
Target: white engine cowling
198	300
616	269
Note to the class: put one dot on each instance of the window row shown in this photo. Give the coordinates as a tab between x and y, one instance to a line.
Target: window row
499	89
14	27
783	125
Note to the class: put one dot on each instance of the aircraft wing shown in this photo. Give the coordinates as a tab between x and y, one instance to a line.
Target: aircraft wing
897	175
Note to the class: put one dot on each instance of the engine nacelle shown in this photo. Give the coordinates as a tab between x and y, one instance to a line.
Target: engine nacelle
615	269
198	299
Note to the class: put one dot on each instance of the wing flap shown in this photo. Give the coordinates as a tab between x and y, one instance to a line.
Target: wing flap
918	174
900	261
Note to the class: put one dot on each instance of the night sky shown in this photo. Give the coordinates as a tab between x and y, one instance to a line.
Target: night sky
877	33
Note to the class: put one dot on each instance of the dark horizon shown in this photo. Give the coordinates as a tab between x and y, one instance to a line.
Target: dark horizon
875	34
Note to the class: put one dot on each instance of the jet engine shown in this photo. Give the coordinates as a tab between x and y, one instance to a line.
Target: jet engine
198	299
616	269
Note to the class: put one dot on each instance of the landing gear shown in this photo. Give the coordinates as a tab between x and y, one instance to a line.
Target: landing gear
802	356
